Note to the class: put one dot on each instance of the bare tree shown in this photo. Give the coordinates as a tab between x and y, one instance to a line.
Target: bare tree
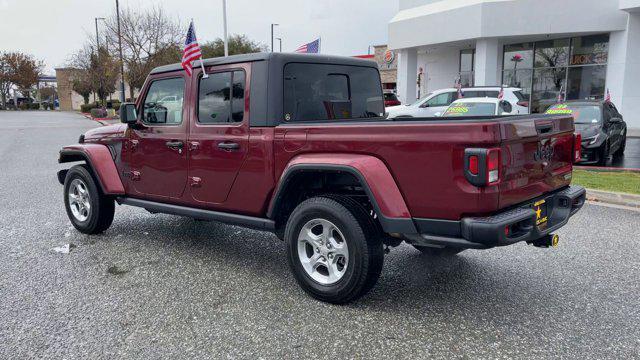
149	37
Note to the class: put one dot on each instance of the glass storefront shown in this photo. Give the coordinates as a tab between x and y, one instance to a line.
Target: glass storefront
467	58
574	66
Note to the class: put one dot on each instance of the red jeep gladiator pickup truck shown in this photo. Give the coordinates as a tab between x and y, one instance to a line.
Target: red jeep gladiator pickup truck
299	145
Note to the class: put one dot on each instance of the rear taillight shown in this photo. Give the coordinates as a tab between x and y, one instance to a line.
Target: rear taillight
577	148
482	166
523	103
493	166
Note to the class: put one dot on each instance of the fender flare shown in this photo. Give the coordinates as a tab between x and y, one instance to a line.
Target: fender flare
371	172
100	160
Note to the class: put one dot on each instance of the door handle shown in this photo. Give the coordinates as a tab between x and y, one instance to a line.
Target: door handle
174	144
229	146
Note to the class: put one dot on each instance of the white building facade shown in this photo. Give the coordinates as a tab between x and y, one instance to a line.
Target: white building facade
577	48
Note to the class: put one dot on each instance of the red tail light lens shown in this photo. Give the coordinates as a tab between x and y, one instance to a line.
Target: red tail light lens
577	148
482	167
493	166
473	164
523	103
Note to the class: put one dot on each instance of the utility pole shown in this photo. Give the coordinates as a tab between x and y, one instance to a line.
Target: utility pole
224	21
272	25
122	97
98	56
280	43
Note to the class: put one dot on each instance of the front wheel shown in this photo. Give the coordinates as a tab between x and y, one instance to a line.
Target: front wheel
333	250
603	154
90	211
620	152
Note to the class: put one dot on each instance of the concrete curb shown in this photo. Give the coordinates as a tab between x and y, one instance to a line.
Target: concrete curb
614	198
605	169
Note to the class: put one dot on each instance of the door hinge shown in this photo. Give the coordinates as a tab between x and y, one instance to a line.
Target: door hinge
135	175
195	181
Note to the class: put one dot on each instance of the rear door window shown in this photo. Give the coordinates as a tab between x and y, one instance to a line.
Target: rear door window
322	92
480	94
221	98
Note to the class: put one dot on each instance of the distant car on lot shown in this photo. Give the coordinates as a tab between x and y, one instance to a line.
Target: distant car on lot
603	130
478	107
390	99
439	100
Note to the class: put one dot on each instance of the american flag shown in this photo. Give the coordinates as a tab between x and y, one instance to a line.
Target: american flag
501	93
310	48
608	97
191	50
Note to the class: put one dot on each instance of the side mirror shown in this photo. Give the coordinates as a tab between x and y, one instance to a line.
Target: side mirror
128	113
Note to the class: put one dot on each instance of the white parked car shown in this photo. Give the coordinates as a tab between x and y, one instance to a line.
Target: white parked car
439	100
478	107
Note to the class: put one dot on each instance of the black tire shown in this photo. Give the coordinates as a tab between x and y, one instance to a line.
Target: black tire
603	155
445	251
102	207
620	152
362	239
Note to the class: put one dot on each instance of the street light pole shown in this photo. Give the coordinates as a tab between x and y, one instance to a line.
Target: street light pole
98	56
122	97
272	25
280	43
224	21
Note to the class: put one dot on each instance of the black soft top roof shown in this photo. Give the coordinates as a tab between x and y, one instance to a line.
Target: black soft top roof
276	57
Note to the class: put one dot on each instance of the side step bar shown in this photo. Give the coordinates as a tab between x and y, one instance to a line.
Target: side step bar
201	214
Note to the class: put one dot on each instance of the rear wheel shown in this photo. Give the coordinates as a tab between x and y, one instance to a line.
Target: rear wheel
333	251
444	251
90	211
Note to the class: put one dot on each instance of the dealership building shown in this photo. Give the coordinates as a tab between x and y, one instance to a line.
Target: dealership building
576	48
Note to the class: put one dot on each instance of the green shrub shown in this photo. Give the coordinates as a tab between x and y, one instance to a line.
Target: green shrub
98	113
86	108
34	106
113	104
45	106
23	106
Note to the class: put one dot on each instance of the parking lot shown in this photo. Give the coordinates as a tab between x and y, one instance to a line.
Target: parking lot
160	286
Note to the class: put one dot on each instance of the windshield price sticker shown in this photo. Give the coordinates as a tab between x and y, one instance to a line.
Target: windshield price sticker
559	110
457	110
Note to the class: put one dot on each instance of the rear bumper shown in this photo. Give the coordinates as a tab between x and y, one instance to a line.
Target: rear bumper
507	227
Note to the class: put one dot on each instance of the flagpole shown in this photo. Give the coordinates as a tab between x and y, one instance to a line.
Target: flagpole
224	22
204	73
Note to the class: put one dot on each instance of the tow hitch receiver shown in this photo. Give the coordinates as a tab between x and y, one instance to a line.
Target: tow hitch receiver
546	241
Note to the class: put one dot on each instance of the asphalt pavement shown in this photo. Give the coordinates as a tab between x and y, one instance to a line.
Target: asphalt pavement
631	158
160	286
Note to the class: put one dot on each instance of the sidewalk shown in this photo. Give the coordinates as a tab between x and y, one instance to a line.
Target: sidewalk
614	198
633	133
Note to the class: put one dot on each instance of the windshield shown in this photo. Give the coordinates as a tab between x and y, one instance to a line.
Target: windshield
422	99
471	109
582	114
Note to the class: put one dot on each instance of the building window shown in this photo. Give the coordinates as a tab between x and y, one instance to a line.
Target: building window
467	63
576	67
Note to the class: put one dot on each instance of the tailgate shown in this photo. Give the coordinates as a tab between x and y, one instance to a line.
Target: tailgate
537	157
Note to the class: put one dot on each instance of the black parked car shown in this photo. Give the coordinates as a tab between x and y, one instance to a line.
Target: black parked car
603	130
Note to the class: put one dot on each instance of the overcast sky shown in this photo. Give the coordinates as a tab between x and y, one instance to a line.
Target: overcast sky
52	30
